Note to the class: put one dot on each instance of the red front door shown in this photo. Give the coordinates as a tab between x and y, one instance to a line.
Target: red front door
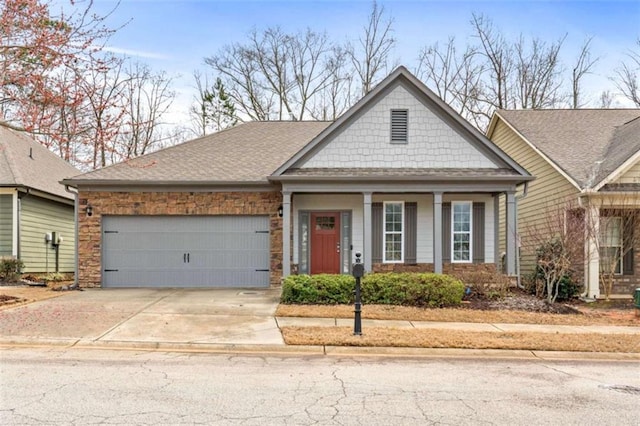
325	243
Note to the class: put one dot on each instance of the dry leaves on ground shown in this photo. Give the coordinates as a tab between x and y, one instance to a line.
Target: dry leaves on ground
20	295
406	313
434	338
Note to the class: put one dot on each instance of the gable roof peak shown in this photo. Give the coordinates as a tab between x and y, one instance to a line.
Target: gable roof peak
419	89
590	146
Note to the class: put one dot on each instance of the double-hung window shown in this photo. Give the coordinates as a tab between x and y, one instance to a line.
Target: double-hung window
611	244
393	232
461	231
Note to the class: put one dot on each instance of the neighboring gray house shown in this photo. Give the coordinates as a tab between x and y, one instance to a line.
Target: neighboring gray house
399	177
34	206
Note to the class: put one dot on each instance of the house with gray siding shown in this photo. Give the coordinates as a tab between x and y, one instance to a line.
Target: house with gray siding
36	212
587	159
400	178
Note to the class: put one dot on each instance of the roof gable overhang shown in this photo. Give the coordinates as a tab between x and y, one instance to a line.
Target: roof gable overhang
492	125
401	76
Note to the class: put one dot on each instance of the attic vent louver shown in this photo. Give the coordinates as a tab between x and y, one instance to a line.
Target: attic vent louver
399	124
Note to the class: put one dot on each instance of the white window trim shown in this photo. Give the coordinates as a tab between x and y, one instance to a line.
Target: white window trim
384	232
470	204
621	246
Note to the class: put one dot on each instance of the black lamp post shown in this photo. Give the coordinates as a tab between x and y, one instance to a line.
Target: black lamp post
358	272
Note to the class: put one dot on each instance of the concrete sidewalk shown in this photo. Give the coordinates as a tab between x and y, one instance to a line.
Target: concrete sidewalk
224	320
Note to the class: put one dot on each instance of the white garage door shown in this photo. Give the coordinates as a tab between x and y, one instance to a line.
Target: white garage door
185	251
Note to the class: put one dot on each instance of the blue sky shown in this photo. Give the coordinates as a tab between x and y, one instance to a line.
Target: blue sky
175	35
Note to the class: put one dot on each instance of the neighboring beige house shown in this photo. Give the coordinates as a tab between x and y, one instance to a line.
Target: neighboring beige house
34	207
399	177
588	158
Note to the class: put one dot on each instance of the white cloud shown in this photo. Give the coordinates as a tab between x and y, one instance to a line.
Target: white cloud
132	52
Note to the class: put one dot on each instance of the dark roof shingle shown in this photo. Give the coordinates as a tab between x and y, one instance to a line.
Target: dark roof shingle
587	144
25	162
248	152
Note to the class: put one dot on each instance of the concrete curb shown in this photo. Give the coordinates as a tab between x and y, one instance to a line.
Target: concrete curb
319	350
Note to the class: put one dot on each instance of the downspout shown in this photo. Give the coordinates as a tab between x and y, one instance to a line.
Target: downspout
525	191
75	213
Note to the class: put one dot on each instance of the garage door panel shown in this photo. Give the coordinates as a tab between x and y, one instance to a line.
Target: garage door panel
186	251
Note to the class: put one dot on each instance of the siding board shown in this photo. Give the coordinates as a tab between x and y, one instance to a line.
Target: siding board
547	192
6	225
39	217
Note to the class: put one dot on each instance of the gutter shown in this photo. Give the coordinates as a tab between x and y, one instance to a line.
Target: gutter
410	178
76	205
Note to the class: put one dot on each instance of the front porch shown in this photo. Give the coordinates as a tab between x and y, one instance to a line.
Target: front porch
401	227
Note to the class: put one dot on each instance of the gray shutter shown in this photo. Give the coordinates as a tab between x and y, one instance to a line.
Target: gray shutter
376	232
627	259
446	232
478	233
410	232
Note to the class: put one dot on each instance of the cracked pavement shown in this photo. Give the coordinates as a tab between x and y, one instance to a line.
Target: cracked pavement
78	387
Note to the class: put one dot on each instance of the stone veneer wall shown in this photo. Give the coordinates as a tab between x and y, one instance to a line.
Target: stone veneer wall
447	268
170	203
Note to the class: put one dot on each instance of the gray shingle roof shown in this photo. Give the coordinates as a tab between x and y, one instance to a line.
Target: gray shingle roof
248	152
43	170
587	144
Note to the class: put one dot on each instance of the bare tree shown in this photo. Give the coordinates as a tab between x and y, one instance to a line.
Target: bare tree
104	90
276	75
582	67
627	76
371	58
537	74
557	241
337	95
454	77
606	99
148	97
500	63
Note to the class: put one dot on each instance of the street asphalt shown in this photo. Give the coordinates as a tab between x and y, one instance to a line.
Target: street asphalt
224	320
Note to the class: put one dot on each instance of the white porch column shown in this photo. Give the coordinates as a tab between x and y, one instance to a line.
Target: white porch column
591	253
286	234
366	232
511	233
437	232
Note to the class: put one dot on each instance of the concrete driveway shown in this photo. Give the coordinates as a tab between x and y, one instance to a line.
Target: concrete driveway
129	316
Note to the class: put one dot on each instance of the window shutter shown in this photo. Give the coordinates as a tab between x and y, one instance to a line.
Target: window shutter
478	233
410	232
399	124
627	259
446	232
376	232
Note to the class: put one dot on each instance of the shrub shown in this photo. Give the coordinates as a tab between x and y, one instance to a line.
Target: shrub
324	289
567	287
412	289
10	269
487	284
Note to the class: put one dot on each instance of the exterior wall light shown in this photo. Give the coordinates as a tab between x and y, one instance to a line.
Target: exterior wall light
280	211
89	210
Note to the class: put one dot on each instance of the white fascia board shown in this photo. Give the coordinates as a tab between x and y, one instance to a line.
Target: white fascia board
631	161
